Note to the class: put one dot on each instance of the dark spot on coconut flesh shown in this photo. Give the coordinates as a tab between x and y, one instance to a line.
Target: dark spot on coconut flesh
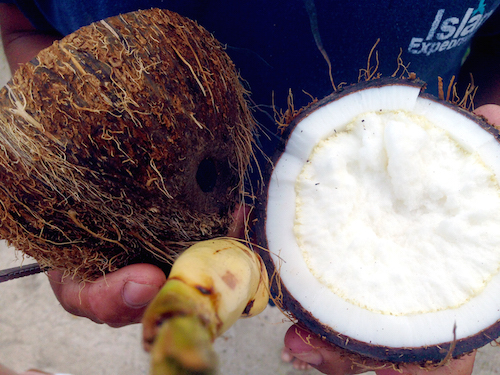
206	175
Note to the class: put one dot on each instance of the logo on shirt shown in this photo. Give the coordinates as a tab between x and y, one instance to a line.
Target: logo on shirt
446	33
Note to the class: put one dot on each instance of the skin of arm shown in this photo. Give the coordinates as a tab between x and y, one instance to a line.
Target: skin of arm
21	41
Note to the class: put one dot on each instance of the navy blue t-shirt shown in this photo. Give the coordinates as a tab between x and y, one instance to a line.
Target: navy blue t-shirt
274	47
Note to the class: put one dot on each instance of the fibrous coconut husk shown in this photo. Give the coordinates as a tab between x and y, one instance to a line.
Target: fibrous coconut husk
129	137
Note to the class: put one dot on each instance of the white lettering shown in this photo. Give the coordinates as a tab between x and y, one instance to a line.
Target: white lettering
419	46
414	46
453	44
464	22
425	48
444	45
472	25
449	33
435	24
448	28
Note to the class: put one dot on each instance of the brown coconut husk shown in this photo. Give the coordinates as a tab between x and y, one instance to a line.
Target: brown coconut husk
127	138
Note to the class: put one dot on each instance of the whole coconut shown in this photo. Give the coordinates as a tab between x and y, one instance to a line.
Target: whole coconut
127	138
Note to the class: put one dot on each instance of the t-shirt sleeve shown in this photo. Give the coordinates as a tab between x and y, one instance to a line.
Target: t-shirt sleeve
69	15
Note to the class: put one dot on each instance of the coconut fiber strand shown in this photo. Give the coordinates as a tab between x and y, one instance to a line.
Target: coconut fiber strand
127	138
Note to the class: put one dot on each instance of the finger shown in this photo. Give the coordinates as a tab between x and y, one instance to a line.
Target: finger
296	363
116	299
491	112
241	217
460	366
324	357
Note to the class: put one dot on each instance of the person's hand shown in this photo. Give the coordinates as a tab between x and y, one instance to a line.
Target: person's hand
307	350
491	112
116	299
120	298
310	350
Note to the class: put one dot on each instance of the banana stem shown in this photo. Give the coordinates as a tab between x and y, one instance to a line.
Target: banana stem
210	286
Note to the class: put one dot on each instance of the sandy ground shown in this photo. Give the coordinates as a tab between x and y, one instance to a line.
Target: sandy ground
35	332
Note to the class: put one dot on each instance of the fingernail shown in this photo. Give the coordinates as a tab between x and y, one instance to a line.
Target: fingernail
137	295
312	357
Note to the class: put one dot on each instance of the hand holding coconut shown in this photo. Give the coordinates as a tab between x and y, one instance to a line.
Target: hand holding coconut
117	299
124	232
120	298
147	158
309	348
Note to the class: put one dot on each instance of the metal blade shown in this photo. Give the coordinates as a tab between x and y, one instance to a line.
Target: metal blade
17	272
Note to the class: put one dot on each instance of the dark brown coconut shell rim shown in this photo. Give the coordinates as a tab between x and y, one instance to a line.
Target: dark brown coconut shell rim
286	302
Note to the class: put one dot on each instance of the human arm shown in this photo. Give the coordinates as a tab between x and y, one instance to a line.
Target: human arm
21	40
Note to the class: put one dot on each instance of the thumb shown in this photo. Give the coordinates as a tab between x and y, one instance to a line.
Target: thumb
116	299
327	358
241	217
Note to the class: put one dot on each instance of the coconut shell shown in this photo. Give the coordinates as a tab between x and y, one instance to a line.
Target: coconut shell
129	137
374	355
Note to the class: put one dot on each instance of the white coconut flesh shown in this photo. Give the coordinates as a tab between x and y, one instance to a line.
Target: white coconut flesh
383	217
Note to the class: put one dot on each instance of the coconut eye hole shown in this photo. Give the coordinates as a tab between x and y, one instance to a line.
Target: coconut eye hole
206	175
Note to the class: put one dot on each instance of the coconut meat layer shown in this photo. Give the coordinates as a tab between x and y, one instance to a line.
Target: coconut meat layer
383	219
394	216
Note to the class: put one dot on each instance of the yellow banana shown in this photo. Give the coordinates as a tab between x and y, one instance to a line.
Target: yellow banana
210	286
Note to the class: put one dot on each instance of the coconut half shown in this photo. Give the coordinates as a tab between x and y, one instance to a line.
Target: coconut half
382	221
124	142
